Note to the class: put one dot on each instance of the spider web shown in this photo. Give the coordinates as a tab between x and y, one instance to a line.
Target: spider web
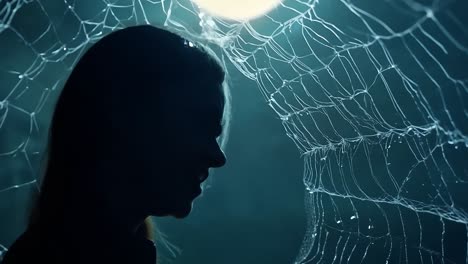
373	94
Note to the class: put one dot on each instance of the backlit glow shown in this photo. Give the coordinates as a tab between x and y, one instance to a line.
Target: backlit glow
241	10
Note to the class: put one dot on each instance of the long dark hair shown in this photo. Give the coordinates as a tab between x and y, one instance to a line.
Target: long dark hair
135	63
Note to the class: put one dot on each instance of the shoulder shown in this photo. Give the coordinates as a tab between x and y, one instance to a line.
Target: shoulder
28	248
19	250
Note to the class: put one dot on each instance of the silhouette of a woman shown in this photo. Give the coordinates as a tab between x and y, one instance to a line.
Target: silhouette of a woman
134	132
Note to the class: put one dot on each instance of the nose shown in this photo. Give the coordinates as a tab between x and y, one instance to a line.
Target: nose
217	159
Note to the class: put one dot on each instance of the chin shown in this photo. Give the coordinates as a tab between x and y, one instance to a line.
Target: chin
178	209
177	213
181	214
182	211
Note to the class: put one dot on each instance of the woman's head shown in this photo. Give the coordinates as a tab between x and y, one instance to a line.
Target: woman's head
138	122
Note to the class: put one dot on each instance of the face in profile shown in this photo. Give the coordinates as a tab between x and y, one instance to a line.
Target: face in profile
183	148
136	128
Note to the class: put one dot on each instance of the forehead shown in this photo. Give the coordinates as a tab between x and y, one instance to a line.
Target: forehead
206	100
206	103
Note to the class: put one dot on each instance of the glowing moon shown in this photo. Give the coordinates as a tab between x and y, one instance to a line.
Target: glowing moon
241	10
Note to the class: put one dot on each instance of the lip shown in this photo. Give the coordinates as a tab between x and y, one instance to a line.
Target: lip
202	176
198	191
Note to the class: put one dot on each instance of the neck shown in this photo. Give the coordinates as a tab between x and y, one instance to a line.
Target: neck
86	216
83	209
104	217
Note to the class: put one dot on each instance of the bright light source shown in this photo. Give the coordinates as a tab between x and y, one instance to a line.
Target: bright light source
241	10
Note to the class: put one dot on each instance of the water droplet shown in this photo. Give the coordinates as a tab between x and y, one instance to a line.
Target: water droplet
429	13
